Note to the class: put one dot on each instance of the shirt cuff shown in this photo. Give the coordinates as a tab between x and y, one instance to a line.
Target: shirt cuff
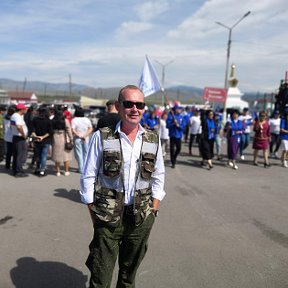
86	199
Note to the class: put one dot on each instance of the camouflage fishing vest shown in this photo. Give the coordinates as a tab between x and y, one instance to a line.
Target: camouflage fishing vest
109	187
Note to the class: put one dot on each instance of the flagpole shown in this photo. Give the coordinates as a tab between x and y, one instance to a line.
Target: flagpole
165	100
163	77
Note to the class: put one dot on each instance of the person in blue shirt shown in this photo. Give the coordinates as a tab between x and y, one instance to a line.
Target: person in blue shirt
152	122
144	118
234	130
186	114
175	123
284	138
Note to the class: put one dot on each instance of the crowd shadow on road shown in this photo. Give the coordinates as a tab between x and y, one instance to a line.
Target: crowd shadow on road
72	194
30	273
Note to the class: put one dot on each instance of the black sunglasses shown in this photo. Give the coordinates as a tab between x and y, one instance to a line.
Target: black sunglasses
130	104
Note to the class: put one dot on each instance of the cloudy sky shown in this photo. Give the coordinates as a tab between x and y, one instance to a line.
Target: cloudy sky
103	43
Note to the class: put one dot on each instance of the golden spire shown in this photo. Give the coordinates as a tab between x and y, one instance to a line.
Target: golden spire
233	81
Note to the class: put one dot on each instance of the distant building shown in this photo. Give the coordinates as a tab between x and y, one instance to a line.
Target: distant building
22	97
4	97
87	101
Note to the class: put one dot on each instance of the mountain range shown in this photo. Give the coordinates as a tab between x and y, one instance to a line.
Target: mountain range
184	94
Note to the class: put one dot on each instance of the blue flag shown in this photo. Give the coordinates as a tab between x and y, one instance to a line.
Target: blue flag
149	82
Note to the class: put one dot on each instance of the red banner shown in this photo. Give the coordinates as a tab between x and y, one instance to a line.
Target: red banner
215	94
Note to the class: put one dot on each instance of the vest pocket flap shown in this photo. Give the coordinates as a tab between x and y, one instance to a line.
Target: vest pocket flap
148	156
111	154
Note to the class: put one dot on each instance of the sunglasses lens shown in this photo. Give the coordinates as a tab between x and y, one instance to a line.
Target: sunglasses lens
130	104
140	105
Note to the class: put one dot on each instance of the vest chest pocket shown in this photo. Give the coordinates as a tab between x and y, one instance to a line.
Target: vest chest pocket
147	165
111	163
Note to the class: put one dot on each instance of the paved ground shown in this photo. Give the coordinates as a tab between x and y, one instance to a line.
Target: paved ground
220	228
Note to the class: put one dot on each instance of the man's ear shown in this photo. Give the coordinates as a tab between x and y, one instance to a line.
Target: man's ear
117	105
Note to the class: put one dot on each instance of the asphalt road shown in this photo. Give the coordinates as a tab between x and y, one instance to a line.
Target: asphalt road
220	228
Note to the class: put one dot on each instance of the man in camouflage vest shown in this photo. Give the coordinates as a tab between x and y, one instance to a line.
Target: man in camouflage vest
122	184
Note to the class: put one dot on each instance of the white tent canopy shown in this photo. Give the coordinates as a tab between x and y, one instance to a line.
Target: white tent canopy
87	101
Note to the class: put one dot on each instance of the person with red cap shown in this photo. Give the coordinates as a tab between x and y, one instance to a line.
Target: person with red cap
19	132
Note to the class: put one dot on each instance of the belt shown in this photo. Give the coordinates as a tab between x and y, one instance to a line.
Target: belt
128	210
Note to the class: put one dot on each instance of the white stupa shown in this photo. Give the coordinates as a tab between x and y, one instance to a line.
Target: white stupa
234	94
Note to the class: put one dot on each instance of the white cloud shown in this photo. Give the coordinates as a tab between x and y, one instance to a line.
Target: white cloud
146	12
46	40
128	28
151	9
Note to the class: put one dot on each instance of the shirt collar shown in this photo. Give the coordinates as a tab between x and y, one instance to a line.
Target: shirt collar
118	128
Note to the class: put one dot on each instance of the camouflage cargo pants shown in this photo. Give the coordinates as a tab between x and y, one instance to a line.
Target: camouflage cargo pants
127	240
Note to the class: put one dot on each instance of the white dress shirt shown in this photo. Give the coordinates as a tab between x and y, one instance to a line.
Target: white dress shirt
131	155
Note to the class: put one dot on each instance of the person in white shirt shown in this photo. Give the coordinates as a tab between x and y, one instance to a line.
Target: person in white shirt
8	136
164	133
81	129
126	168
274	124
195	129
19	132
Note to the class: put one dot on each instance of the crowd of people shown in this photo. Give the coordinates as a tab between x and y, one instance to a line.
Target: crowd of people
46	130
206	128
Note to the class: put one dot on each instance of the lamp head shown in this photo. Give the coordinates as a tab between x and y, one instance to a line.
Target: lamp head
249	12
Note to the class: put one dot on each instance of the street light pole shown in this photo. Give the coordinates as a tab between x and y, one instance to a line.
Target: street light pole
228	54
163	77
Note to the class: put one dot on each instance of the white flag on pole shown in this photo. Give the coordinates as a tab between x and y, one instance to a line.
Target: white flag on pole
149	82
